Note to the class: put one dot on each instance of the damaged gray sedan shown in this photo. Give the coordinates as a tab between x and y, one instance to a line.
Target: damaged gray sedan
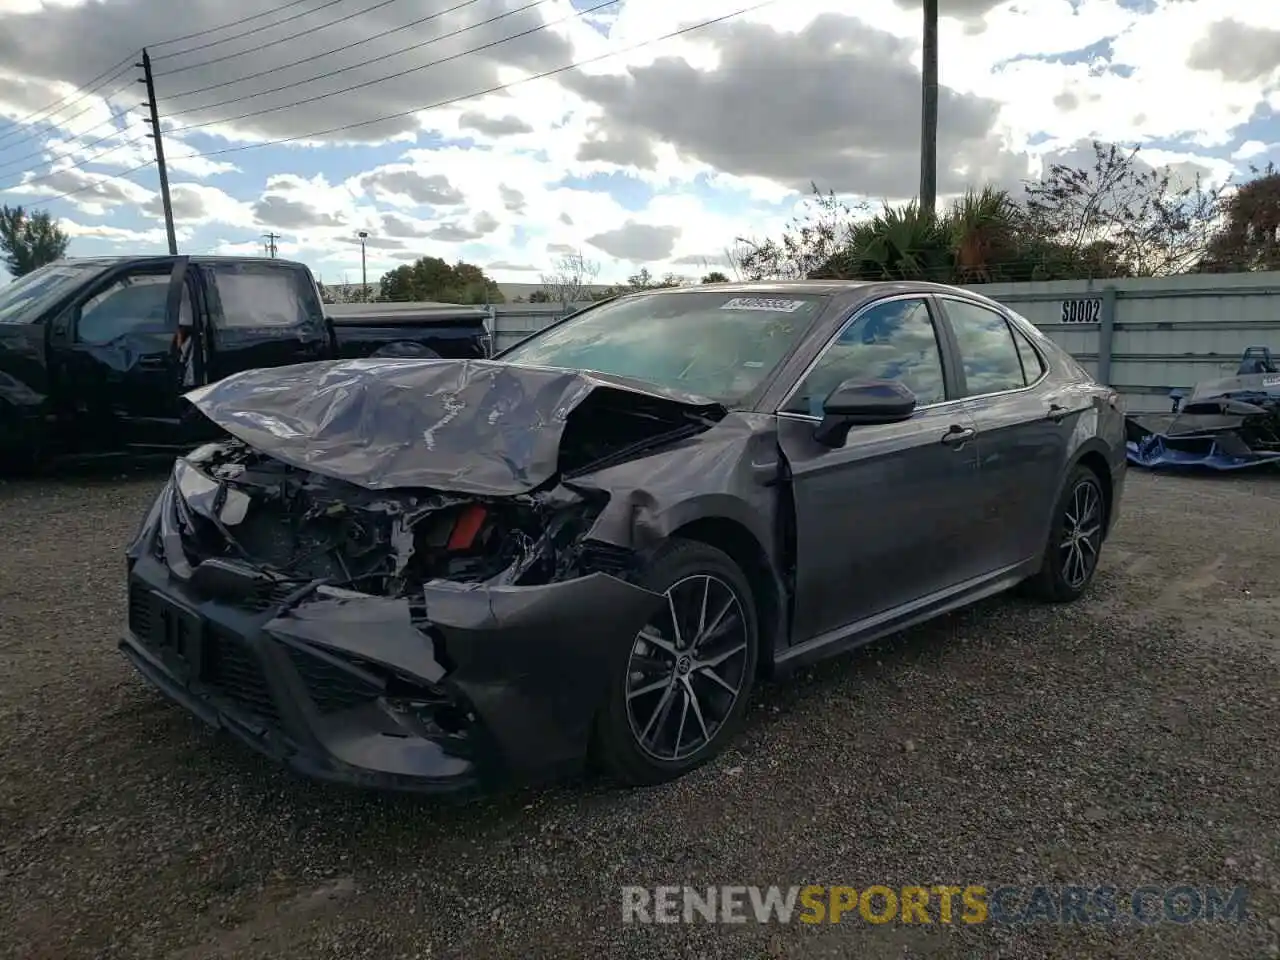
440	574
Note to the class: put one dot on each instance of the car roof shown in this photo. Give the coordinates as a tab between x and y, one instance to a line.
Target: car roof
196	258
863	289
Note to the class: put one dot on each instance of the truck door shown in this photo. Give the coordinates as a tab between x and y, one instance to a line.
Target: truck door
264	314
117	352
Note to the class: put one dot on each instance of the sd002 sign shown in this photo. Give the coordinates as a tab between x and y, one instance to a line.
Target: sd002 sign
1084	310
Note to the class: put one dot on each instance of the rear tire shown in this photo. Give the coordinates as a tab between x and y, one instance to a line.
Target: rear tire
1075	541
679	692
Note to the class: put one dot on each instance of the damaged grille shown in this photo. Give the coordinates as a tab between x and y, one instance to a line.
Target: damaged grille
235	672
598	557
226	665
330	687
266	598
141	618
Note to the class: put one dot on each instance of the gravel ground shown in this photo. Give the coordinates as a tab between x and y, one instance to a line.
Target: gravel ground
1128	739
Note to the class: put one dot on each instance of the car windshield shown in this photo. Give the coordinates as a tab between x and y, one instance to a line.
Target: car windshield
719	345
22	300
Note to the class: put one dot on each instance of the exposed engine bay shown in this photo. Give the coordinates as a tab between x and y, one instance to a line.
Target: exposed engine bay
296	526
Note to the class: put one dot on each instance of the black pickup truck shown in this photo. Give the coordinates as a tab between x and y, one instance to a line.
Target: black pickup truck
96	354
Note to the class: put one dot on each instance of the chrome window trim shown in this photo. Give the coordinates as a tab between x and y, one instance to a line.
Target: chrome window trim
1044	364
854	316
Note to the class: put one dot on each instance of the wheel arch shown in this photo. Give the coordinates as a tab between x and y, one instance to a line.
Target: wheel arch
742	546
1092	457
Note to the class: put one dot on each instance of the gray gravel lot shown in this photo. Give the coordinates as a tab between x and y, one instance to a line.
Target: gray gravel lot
1129	739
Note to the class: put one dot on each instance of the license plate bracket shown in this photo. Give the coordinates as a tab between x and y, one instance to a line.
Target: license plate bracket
179	638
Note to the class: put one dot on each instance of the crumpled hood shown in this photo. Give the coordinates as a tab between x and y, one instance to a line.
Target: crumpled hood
467	426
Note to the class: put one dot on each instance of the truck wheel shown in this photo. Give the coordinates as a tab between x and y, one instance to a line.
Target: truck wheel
406	348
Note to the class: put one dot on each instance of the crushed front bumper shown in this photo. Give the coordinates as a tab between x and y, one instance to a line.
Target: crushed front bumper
493	685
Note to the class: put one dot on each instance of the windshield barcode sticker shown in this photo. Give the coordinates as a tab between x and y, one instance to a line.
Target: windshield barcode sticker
760	303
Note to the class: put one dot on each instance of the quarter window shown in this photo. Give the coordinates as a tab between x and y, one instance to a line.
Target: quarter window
890	341
1032	365
988	353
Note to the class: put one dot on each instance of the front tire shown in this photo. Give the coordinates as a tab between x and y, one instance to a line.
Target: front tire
679	692
1075	541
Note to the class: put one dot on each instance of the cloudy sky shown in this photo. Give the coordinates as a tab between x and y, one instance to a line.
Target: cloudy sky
424	122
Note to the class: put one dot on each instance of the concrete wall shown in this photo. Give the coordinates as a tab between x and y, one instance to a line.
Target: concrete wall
1144	337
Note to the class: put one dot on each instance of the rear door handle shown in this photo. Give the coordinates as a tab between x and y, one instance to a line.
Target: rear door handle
958	435
1056	412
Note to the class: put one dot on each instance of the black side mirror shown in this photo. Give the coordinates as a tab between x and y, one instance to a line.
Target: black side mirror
857	403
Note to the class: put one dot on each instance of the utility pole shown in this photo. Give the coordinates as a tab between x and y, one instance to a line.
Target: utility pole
149	80
271	239
929	111
364	273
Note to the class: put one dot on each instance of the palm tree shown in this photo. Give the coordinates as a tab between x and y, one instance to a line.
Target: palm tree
899	243
982	230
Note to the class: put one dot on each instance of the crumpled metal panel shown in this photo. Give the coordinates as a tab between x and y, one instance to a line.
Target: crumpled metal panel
467	426
1226	424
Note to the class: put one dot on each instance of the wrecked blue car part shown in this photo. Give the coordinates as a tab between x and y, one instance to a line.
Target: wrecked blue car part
1231	423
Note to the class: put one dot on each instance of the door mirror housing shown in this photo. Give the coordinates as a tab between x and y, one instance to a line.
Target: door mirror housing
861	403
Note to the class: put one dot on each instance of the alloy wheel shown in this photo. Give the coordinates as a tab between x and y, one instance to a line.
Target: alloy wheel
1082	534
687	668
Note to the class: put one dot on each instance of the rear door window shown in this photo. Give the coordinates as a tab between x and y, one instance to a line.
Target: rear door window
988	354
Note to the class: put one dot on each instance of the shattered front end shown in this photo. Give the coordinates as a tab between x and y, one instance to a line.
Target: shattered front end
1227	424
406	639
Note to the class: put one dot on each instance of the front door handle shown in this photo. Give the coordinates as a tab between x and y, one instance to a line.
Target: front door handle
958	435
1056	412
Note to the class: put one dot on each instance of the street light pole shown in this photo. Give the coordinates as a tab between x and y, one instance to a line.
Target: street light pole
364	272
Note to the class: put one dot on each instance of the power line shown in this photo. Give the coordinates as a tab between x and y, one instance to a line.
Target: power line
96	183
83	163
35	154
491	90
393	76
318	56
249	33
233	23
434	106
387	56
446	36
121	66
33	118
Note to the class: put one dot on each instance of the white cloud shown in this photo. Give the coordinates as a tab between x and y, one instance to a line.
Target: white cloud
722	128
